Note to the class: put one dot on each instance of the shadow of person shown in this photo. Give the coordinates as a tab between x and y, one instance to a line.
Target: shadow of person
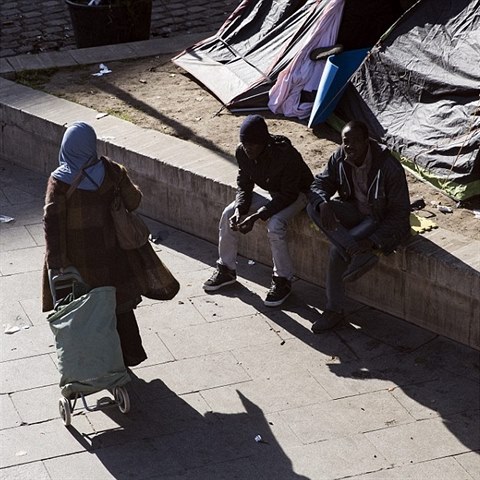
438	380
168	436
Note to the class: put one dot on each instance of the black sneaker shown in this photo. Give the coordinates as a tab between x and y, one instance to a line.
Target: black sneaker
279	291
328	319
222	276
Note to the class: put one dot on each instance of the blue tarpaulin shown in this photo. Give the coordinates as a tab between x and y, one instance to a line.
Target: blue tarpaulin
338	70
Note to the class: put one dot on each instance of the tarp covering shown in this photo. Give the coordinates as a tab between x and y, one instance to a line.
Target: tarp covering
335	78
419	92
242	61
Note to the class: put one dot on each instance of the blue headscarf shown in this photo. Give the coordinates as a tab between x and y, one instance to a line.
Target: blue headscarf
79	145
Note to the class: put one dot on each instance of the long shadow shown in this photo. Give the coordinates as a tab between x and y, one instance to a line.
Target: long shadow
430	375
164	436
183	132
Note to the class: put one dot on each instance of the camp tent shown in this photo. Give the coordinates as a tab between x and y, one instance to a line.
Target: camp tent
242	62
419	92
418	89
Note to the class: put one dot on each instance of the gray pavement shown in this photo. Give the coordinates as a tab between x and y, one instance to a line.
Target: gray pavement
378	399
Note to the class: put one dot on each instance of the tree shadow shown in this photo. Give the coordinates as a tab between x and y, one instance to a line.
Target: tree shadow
164	436
183	132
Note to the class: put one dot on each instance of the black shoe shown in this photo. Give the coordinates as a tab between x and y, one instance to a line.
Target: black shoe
360	264
222	276
279	291
328	319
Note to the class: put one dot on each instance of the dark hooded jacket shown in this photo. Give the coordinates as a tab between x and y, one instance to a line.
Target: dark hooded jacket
280	170
388	195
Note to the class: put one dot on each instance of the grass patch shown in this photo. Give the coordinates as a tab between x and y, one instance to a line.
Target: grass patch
36	78
122	114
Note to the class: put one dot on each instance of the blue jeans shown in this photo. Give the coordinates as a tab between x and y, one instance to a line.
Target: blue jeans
353	226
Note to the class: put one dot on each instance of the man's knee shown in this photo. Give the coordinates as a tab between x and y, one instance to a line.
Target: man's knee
228	211
276	228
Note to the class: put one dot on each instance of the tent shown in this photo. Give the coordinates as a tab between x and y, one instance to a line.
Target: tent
419	92
417	89
241	63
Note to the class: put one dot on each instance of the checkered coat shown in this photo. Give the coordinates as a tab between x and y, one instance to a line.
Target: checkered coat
80	232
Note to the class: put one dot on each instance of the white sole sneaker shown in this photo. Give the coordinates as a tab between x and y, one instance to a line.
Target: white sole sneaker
213	288
276	303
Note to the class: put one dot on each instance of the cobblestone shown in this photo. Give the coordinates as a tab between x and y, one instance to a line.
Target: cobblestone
38	20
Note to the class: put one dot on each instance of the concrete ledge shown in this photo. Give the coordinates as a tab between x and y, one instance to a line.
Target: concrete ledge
9	66
433	282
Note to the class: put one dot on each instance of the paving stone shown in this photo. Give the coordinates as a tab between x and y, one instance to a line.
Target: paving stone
170	315
241	469
194	374
345	417
31	443
291	357
470	462
428	439
444	397
37	233
12	314
369	375
88	465
37	340
27	373
24	214
156	349
441	469
39	405
217	337
34	470
21	285
9	417
149	418
450	356
33	308
223	306
274	394
15	238
22	260
388	330
327	460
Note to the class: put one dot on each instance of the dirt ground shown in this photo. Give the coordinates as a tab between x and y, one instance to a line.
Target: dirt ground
154	93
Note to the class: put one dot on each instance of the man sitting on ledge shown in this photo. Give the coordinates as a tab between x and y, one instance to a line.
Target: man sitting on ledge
371	212
272	163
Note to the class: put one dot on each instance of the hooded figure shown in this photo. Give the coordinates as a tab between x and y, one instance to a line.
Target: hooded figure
79	146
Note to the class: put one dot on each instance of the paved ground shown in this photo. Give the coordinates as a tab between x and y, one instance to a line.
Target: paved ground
377	400
28	26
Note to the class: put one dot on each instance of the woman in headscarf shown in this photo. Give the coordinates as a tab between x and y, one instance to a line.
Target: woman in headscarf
79	229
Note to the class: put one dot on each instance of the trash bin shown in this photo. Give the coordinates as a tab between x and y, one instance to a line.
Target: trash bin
114	21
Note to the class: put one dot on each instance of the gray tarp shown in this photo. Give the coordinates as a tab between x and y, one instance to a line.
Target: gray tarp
419	92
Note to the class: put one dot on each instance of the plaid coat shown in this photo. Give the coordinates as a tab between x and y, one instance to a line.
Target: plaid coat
80	232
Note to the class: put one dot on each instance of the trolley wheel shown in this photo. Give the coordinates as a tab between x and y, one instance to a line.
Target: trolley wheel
65	411
122	398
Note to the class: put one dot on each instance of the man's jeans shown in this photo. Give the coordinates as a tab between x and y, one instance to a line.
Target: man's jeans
353	226
276	232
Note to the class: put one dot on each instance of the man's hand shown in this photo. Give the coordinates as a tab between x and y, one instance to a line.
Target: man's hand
234	220
327	216
247	224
